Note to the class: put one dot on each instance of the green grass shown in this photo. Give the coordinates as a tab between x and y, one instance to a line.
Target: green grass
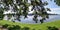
33	26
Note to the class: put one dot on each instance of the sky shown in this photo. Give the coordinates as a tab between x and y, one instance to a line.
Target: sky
52	5
55	9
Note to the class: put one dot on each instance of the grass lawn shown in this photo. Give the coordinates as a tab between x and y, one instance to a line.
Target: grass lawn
33	26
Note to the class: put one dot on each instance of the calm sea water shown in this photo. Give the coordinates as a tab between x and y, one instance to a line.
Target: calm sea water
30	20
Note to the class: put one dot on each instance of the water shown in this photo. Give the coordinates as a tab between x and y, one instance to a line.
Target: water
29	20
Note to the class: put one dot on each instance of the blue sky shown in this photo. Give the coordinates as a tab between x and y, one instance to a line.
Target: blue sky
52	5
55	9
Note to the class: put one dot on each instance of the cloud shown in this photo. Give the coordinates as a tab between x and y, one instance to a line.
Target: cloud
55	10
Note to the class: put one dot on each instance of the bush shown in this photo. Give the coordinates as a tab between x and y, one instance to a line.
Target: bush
10	28
5	26
52	28
25	28
15	28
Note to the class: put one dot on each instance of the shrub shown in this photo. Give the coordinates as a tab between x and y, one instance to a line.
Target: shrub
25	28
52	28
15	28
5	26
